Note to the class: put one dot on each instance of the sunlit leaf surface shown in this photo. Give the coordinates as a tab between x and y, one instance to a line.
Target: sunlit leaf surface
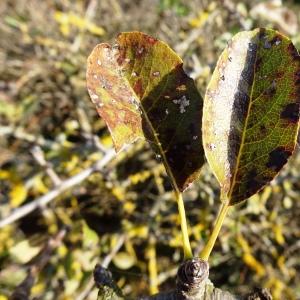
251	111
141	91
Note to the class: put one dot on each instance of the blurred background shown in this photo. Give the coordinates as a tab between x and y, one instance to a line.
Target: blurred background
67	203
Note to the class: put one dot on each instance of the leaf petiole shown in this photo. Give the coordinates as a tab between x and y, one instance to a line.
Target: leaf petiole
217	227
187	250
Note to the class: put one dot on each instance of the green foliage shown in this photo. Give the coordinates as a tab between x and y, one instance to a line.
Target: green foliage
251	112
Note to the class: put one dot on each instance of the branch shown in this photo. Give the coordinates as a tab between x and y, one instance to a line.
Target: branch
38	155
58	190
192	283
20	133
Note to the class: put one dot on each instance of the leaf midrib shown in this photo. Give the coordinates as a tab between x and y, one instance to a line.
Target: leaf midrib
153	132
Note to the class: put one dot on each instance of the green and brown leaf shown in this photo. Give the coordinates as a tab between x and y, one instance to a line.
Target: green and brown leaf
141	91
251	111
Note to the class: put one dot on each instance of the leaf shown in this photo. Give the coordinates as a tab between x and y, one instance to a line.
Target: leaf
23	252
12	275
251	111
90	237
141	91
124	260
18	194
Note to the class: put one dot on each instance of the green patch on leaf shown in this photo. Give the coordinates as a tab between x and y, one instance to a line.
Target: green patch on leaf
141	91
251	111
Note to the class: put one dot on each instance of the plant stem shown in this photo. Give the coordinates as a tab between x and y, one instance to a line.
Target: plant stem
186	242
213	237
187	250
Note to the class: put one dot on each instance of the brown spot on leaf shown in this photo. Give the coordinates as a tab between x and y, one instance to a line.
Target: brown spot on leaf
140	51
278	158
138	87
121	56
291	112
151	40
279	74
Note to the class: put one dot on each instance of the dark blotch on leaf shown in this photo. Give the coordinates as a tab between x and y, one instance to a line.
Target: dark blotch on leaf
258	63
293	51
278	158
252	183
240	104
297	77
156	115
262	33
263	129
176	158
193	129
291	112
276	40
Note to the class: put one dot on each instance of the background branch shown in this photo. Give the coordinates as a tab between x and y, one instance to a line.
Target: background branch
58	190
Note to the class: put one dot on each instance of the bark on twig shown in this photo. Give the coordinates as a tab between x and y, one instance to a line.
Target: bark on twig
192	283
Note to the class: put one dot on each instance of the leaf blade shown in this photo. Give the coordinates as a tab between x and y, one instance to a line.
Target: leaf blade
253	100
141	91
